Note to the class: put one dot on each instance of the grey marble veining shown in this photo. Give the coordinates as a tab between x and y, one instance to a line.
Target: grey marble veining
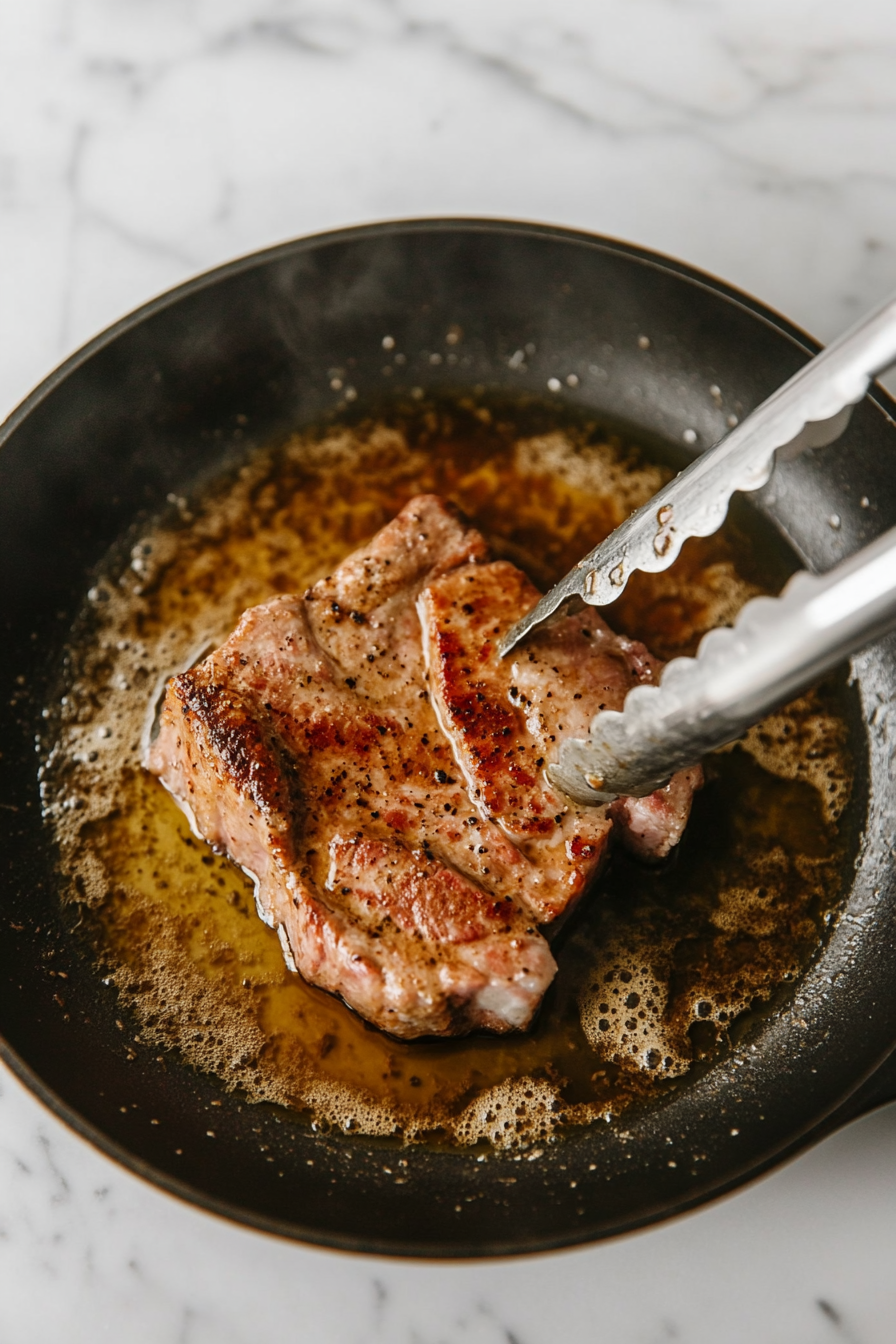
143	140
88	1252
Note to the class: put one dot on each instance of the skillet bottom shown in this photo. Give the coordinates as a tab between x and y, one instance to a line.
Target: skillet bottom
663	969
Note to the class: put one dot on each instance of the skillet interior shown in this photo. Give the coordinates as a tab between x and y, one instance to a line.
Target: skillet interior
151	407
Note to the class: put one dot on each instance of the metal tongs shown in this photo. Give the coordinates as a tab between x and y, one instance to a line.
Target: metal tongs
777	646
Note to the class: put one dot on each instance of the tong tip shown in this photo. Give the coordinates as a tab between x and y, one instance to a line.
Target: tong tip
544	608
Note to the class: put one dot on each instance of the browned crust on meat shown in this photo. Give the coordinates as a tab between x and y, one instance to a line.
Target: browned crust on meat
237	738
415	892
308	737
405	839
506	718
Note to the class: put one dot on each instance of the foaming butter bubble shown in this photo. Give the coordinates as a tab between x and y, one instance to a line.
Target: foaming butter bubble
623	1013
343	1107
175	924
595	468
806	740
671	966
516	1114
673	610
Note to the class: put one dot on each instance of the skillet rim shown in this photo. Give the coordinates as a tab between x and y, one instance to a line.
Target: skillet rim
467	224
411	224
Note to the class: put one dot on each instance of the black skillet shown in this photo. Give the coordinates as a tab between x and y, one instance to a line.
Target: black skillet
160	400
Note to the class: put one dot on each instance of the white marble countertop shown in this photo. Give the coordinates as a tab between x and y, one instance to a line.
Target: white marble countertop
143	140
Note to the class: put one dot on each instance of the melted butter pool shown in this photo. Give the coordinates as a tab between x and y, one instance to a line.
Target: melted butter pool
660	968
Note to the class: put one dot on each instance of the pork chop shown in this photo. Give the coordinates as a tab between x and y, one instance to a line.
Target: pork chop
403	838
505	719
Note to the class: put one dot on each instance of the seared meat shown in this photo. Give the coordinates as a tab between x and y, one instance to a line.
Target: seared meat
405	859
505	719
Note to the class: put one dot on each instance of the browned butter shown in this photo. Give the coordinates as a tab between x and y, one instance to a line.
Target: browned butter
659	969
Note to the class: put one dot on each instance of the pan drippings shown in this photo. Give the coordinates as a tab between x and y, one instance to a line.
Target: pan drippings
659	971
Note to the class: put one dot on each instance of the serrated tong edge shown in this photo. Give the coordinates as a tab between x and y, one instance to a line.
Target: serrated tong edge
811	409
776	647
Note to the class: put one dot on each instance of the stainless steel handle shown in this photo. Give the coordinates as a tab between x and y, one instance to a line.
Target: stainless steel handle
811	409
777	647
